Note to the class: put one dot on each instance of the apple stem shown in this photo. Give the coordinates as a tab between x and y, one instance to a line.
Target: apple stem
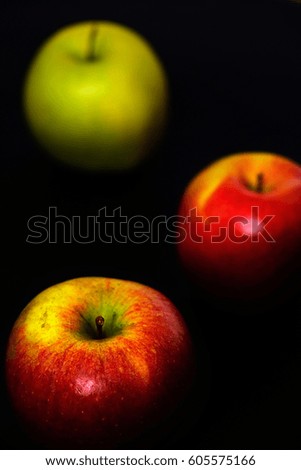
91	43
259	184
99	324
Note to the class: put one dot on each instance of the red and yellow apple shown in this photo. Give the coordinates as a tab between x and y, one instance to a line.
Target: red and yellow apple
242	220
95	362
96	96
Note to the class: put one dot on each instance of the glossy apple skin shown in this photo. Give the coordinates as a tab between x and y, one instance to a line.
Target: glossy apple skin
74	390
105	113
254	268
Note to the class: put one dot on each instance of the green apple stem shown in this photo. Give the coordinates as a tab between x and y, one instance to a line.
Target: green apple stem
260	182
99	324
92	43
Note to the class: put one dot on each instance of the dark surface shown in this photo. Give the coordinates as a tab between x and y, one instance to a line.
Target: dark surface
235	74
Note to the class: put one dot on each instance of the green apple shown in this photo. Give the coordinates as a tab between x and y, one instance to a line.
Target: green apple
96	96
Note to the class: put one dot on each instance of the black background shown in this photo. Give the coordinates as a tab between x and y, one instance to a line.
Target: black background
235	78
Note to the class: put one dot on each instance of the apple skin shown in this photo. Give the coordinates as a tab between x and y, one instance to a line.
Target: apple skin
74	390
249	268
96	96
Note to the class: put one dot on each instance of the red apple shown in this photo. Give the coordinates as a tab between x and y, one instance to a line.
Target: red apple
242	223
94	362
